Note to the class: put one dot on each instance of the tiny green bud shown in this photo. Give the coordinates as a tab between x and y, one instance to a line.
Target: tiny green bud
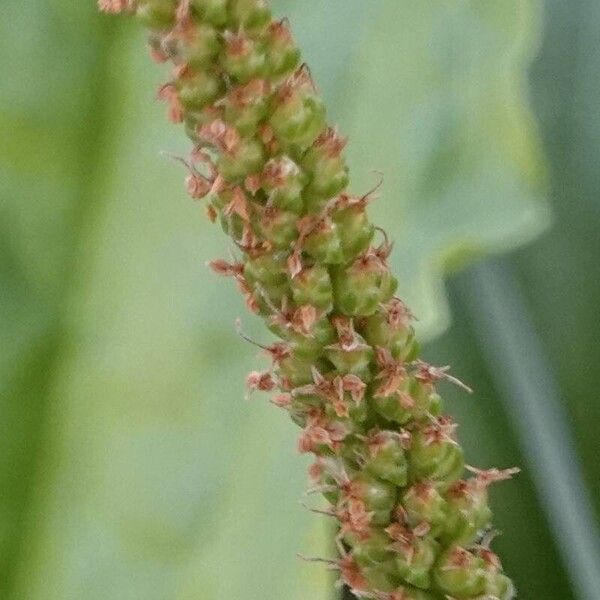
380	576
379	497
248	157
423	503
360	288
243	59
249	14
297	371
355	360
310	345
211	11
197	89
298	115
283	181
385	457
313	286
370	548
323	244
283	54
327	168
460	574
356	231
435	455
390	328
468	513
199	46
415	557
246	106
278	227
267	273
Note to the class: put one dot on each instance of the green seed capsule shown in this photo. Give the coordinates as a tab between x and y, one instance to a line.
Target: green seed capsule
311	346
199	47
378	332
157	14
278	227
460	573
211	11
380	576
370	549
297	371
195	119
313	286
246	106
283	180
415	560
412	401
393	407
249	14
282	52
355	362
243	58
268	274
198	89
248	158
300	408
387	460
500	586
231	223
298	115
362	287
327	169
468	513
435	457
323	245
379	497
423	503
427	402
356	232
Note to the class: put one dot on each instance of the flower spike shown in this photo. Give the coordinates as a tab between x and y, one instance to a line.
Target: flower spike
346	366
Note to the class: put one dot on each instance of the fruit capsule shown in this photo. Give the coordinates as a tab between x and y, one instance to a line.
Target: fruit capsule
283	180
360	288
198	89
211	11
323	244
379	497
243	58
422	503
435	457
460	574
313	286
249	14
298	115
415	559
386	459
283	56
198	47
468	513
371	548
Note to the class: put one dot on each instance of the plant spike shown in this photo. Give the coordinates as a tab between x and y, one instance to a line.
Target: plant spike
273	173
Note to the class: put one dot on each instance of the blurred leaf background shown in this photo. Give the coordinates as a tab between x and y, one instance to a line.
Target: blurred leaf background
130	467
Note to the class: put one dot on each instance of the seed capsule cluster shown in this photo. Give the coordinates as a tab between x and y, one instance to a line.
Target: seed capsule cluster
346	366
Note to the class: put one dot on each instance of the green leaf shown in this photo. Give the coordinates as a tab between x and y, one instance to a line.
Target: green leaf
134	468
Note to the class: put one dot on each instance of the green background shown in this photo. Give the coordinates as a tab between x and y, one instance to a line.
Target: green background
130	466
